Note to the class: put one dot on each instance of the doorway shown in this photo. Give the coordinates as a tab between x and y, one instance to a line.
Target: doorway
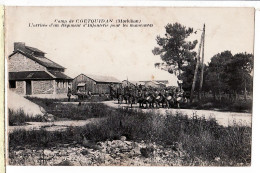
28	87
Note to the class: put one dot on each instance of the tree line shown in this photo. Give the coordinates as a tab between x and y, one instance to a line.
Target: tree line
225	75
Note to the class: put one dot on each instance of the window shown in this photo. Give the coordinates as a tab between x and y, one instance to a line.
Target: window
12	84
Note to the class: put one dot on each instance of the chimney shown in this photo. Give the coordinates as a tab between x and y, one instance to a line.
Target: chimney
19	45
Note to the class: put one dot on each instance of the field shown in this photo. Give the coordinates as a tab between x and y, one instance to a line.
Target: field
125	136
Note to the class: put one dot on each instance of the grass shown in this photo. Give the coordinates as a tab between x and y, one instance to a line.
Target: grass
223	105
75	112
94	98
200	138
204	104
72	111
19	117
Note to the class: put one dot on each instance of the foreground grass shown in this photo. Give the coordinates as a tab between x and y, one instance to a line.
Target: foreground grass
222	105
19	117
72	111
94	98
200	138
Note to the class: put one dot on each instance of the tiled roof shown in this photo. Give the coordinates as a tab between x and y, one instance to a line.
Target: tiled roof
41	60
24	75
103	79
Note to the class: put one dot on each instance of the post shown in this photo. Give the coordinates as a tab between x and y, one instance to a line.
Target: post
196	71
202	63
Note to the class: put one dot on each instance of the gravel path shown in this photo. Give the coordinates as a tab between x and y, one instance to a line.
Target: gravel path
223	118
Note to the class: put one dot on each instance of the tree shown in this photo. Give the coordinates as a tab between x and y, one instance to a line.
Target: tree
175	51
240	69
216	76
229	74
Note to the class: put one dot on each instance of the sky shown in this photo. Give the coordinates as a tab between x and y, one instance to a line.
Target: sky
125	52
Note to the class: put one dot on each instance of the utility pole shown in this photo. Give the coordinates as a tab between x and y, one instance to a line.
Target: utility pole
202	63
196	70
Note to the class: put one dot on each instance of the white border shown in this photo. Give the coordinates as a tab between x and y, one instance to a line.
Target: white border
175	3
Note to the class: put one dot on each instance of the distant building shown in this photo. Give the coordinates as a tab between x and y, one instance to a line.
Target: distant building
95	84
30	72
158	81
154	84
132	83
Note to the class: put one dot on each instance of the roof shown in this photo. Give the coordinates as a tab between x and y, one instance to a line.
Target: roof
41	60
103	79
29	75
158	81
34	49
135	82
43	75
60	75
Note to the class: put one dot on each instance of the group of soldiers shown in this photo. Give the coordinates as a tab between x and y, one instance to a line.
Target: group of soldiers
148	97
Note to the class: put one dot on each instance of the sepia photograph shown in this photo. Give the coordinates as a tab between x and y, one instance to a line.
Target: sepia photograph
129	86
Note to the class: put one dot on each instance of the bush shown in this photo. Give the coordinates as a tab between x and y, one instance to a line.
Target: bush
200	138
223	105
73	111
18	117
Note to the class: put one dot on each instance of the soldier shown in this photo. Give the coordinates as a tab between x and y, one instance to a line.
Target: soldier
179	95
69	94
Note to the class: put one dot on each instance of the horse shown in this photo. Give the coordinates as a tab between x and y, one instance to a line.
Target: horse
160	99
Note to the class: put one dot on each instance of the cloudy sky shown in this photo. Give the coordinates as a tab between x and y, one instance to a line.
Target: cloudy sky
124	52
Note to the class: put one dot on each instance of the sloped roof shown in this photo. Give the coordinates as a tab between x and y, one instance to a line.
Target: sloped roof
41	60
135	82
103	79
59	75
29	75
24	75
34	49
158	81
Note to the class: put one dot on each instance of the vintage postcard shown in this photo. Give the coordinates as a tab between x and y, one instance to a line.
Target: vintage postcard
129	86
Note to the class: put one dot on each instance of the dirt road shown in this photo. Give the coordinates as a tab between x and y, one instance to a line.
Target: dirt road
223	118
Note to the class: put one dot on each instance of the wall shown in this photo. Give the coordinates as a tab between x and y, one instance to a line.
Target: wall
61	86
125	83
91	85
20	87
43	87
19	62
83	79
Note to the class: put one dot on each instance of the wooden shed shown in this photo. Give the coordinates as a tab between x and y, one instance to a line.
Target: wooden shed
93	83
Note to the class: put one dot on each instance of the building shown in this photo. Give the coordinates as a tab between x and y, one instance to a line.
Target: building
155	84
158	81
132	83
93	83
30	72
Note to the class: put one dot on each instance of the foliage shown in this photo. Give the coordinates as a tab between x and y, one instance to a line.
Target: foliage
174	50
200	138
229	74
224	74
72	111
19	117
223	104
